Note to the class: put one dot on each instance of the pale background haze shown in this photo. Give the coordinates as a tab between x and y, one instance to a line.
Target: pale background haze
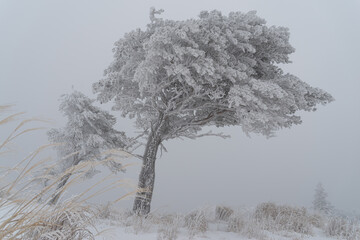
46	47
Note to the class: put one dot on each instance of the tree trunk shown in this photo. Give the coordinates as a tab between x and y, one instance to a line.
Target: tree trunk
147	175
55	197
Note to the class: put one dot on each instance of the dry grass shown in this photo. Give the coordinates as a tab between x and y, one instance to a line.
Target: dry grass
196	222
223	213
280	217
343	228
169	228
166	225
244	223
236	223
25	212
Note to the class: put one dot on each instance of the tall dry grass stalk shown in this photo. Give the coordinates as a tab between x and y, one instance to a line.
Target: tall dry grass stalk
24	209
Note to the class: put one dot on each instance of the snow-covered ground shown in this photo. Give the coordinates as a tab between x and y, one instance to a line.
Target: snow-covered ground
290	223
122	225
108	231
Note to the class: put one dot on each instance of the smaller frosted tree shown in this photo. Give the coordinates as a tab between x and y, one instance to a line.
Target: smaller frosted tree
89	131
320	203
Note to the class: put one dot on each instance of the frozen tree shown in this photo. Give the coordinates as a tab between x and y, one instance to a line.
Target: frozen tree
175	77
88	132
320	203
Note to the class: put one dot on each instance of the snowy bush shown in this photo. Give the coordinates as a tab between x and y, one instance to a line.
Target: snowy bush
169	229
274	217
245	224
62	224
317	220
196	222
236	223
343	228
223	213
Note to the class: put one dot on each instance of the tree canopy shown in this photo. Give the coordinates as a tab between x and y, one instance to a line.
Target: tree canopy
216	70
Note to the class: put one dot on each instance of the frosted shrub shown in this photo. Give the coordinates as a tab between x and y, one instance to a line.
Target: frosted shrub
274	217
196	222
266	211
236	223
245	224
316	220
253	230
223	213
62	225
294	219
343	228
169	229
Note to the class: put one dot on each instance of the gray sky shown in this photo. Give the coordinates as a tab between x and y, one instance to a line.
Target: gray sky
46	47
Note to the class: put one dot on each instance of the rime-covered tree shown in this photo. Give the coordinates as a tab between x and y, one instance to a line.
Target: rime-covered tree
320	203
88	131
175	77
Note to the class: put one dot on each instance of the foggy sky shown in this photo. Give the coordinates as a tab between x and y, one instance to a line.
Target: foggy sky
48	47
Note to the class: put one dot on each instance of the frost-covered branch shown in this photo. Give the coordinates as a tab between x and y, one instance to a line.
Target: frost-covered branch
207	134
